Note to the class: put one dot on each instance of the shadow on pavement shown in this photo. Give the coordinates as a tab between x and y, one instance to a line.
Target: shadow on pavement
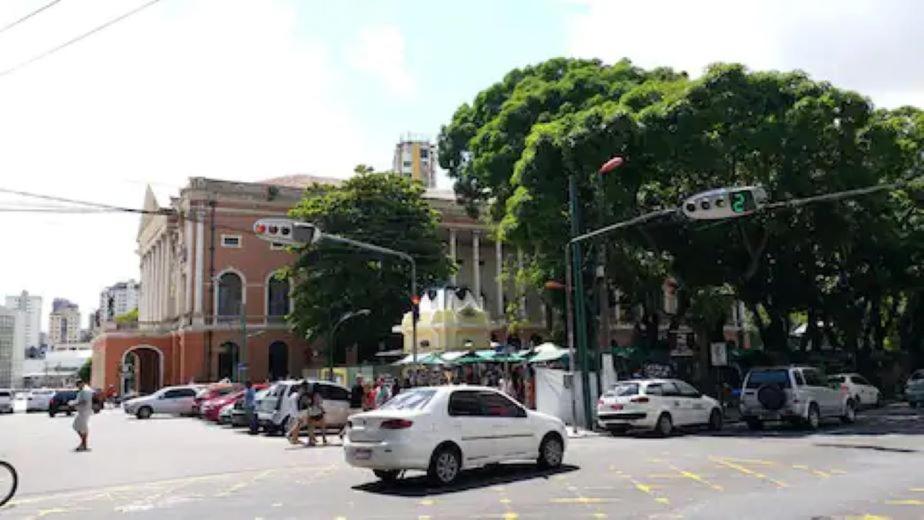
420	486
896	419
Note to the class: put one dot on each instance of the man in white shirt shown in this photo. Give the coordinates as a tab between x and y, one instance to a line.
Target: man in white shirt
84	407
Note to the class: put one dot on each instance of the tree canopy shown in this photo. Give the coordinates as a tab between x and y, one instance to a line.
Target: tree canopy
854	266
331	279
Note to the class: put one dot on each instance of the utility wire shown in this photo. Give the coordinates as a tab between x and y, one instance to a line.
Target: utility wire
10	25
76	39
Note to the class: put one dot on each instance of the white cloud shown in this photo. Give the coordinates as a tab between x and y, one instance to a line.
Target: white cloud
873	47
380	52
220	88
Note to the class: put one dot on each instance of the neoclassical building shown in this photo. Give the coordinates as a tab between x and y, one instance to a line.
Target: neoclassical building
210	301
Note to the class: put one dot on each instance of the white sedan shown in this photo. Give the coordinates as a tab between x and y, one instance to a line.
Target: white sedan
443	430
659	405
175	400
862	391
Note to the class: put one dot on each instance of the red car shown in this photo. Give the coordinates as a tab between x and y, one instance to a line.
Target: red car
211	392
211	408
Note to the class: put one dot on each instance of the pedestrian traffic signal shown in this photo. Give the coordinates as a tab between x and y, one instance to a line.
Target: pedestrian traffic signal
724	203
286	231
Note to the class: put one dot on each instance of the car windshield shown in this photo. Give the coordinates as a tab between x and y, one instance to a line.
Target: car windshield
409	400
764	377
917	375
621	390
4	394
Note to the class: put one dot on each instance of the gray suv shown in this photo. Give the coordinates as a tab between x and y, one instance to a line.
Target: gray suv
798	395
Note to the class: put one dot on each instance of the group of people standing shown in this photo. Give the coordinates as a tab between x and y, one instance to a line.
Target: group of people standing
305	408
365	395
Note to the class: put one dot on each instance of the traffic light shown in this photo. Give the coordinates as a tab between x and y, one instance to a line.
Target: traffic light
724	203
286	231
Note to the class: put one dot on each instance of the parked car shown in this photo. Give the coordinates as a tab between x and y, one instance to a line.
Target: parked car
658	405
862	391
914	392
443	430
6	400
174	400
224	415
799	395
211	408
39	399
238	415
206	393
273	419
63	402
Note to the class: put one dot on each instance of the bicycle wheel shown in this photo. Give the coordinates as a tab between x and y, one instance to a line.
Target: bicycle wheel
8	482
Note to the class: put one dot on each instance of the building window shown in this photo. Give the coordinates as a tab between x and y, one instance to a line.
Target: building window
230	240
277	298
230	294
424	153
276	246
407	164
278	361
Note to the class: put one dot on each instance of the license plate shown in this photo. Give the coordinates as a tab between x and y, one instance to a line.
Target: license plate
363	454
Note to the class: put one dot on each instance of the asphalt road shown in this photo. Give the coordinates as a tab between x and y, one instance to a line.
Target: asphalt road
185	468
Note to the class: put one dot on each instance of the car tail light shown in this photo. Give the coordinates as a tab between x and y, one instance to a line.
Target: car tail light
396	424
641	399
600	402
616	406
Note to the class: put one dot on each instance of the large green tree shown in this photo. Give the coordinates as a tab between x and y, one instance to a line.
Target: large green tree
852	266
331	279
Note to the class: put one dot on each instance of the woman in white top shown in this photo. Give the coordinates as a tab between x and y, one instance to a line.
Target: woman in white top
290	410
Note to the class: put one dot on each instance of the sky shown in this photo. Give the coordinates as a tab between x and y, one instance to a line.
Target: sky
254	89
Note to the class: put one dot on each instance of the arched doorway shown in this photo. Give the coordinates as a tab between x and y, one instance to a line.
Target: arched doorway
278	361
142	370
228	358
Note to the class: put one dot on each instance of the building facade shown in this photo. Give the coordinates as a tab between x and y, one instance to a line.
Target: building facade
63	322
12	347
416	158
118	299
210	306
31	307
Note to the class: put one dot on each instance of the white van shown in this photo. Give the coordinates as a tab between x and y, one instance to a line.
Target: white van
799	395
273	417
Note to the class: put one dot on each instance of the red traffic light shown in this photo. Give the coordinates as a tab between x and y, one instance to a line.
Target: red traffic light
612	164
260	228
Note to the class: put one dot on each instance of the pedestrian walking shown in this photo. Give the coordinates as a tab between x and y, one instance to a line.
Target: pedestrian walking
250	403
368	397
84	407
294	403
382	393
316	416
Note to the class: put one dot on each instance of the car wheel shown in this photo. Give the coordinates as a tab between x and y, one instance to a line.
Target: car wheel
51	413
814	417
850	413
715	420
551	452
144	412
664	426
878	401
445	465
754	424
386	475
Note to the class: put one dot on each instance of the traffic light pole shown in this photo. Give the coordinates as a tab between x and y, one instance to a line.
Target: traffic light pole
580	322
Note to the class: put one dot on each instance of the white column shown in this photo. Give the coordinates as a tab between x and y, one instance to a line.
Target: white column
200	264
499	269
143	303
187	307
452	251
520	293
158	280
476	265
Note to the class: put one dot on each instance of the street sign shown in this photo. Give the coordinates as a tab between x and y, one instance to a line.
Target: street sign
286	231
719	354
724	203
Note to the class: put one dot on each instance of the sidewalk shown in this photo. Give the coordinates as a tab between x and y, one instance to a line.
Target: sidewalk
580	433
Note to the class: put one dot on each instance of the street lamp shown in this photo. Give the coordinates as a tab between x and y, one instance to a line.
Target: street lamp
333	331
573	261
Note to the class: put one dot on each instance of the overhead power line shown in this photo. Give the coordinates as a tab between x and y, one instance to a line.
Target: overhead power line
10	25
76	39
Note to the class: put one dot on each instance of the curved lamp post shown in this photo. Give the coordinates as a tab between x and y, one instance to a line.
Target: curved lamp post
333	330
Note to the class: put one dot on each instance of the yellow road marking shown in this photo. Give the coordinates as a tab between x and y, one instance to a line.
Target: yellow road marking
908	502
426	502
916	490
505	501
599	515
816	472
746	471
837	472
868	517
511	516
53	511
759	462
696	478
578	500
423	517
